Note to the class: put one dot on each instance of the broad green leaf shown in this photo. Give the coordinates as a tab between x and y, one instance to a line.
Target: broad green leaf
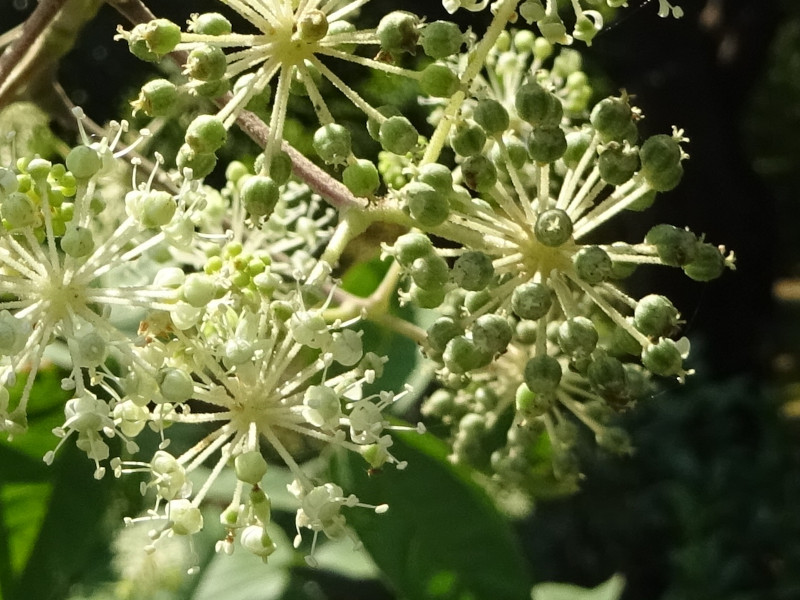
442	537
608	590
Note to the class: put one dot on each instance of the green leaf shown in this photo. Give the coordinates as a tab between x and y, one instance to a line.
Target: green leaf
442	537
609	590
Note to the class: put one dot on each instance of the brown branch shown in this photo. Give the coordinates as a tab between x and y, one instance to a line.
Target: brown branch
333	191
44	14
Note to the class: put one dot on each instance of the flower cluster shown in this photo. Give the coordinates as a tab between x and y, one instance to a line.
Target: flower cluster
244	335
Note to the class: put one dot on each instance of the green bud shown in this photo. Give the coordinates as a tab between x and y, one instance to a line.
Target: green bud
83	162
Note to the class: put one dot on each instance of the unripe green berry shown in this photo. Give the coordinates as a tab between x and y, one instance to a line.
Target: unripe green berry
280	167
479	173
461	355
467	138
440	39
332	143
198	289
708	263
39	168
83	162
361	177
338	28
491	333
553	227
547	144
592	264
537	106
438	176
676	247
655	316
250	467
161	36
156	98
531	300
259	195
212	89
439	81
611	117
429	272
442	331
397	32
157	208
607	375
427	206
18	210
663	358
175	385
491	115
666	180
473	270
206	133
577	144
426	298
210	24
312	26
411	246
577	337
206	63
398	135
659	153
201	163
374	126
617	164
531	405
542	374
77	242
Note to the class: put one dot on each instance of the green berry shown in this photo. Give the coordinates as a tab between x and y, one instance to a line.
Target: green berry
411	246
198	289
206	63
157	208
439	81
18	210
397	32
553	227
156	98
442	331
592	264
429	272
531	300
77	242
210	24
438	176
676	247
577	337
661	162
547	144
655	316
312	26
83	162
611	118
708	263
161	36
491	115
206	134
250	467
201	163
374	126
607	376
259	195
537	106
280	167
479	173
361	177
332	143
427	206
617	164
440	39
175	385
398	135
663	358
542	374
467	138
426	298
473	271
491	333
461	355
